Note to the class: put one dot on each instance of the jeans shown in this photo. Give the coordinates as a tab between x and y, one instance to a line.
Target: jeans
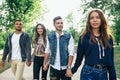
92	73
58	74
37	65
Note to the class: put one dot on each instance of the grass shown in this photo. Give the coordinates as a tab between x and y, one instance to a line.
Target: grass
117	60
117	64
117	49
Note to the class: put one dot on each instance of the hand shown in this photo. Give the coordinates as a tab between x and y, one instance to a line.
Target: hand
28	63
69	73
2	64
45	67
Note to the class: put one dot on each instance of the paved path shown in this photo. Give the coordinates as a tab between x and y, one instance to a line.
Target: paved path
7	75
28	74
1	51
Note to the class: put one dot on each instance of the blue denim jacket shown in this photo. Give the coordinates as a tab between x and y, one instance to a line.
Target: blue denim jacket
63	45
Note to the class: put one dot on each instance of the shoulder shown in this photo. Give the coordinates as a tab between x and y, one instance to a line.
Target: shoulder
10	35
68	35
85	36
110	39
24	34
51	34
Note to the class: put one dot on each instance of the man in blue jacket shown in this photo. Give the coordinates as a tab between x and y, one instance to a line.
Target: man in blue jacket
59	51
18	49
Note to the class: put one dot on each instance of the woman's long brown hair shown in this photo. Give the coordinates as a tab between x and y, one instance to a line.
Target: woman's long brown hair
104	31
37	34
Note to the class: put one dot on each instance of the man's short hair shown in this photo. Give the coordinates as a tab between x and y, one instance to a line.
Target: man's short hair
18	21
56	18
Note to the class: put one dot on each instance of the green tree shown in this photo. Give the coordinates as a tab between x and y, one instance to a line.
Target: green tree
72	27
116	29
25	10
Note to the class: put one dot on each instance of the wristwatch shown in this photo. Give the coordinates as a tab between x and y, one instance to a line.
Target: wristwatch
68	67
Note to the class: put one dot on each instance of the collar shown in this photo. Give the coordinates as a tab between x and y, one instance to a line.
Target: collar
57	35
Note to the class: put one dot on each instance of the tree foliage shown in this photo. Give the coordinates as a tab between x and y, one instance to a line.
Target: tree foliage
72	27
25	10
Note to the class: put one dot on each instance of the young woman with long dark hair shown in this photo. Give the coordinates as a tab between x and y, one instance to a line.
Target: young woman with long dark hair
96	45
39	44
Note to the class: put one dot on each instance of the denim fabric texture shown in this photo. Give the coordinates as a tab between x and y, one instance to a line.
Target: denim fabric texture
92	73
63	41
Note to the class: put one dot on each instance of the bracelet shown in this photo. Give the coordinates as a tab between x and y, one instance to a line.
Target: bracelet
68	67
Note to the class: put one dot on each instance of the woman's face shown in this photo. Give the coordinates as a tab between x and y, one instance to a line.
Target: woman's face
40	30
95	20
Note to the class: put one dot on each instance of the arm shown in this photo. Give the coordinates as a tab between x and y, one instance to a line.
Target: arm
6	50
45	63
71	55
46	57
5	53
111	69
28	50
70	51
68	71
79	57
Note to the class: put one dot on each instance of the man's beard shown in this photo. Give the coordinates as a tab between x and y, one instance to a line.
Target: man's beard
58	29
18	29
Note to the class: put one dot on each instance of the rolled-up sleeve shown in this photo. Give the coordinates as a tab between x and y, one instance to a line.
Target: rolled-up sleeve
71	46
47	48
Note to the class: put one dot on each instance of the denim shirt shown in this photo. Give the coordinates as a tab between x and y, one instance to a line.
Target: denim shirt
63	46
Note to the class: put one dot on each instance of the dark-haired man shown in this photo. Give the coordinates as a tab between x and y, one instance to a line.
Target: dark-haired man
18	49
59	51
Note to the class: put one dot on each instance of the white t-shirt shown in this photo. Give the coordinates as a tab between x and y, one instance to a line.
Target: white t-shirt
16	51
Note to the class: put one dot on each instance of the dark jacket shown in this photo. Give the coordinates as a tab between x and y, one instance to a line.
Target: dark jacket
91	53
25	46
